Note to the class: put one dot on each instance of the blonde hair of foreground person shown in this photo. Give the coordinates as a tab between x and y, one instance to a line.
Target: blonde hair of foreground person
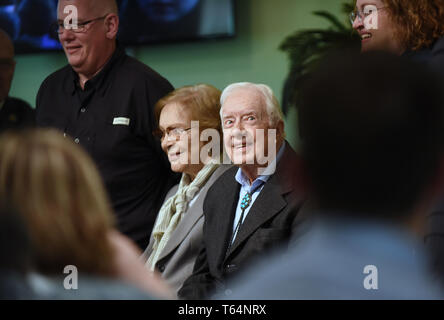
55	186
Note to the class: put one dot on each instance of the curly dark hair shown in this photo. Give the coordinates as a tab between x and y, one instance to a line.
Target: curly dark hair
419	23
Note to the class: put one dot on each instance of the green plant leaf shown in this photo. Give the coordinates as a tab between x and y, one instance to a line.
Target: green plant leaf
306	47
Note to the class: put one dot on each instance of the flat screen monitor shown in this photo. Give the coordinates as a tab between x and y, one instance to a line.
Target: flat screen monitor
30	22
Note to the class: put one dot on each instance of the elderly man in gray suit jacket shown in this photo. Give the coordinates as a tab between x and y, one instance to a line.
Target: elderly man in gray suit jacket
253	206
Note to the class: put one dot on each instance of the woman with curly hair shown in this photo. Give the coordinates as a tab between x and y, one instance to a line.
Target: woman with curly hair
414	28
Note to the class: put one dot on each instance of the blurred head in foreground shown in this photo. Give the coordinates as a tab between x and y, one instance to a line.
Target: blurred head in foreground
55	186
372	131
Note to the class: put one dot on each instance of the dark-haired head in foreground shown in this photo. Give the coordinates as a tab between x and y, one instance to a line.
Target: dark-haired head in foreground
372	128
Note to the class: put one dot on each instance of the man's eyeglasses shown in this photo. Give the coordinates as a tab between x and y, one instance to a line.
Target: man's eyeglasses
82	27
361	15
173	133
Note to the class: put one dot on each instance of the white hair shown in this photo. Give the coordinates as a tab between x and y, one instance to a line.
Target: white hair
271	103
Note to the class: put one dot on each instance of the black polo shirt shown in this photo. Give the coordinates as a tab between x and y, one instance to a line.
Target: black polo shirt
113	119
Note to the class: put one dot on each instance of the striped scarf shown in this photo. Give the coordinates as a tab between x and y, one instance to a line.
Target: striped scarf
174	208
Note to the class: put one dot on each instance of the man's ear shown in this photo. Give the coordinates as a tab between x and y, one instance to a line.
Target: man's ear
280	131
112	25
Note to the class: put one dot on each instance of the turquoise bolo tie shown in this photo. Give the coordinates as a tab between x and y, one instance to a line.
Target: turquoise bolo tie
246	200
245	203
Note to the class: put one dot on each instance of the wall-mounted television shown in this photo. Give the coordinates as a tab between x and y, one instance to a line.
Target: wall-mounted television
29	22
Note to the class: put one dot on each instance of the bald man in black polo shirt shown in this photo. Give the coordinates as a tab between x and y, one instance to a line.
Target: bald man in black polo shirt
104	101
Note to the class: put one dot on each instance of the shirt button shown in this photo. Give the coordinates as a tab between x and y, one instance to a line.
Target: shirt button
77	140
82	110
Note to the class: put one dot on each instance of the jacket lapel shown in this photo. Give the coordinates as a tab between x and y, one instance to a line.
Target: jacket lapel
268	203
183	229
220	222
271	199
194	213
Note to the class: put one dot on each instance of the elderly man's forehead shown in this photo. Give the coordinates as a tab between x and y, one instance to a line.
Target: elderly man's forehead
247	93
243	102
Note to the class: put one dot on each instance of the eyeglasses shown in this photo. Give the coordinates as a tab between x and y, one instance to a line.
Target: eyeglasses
81	27
362	15
172	133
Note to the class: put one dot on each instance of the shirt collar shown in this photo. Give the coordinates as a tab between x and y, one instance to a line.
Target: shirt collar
98	81
268	172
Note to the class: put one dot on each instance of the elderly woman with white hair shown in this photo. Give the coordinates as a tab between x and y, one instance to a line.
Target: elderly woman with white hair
177	235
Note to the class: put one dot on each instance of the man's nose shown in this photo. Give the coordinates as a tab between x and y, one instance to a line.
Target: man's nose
238	133
165	143
238	125
65	35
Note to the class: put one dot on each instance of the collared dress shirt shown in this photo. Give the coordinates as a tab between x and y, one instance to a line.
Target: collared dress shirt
253	189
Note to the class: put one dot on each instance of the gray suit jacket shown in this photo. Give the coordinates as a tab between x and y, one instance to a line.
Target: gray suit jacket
177	259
